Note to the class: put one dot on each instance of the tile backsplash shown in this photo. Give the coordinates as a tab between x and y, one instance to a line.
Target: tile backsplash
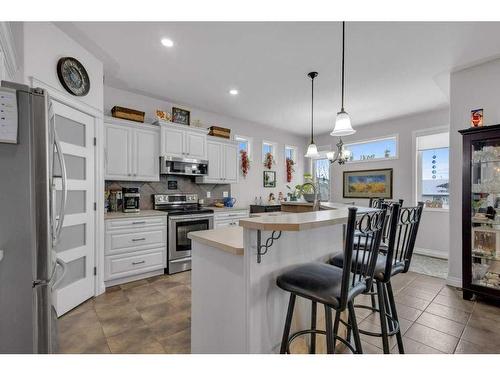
184	185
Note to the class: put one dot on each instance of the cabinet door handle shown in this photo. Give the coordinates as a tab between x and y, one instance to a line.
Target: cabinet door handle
138	239
136	263
138	222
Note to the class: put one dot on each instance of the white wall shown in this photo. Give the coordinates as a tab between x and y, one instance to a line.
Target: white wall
248	188
472	88
44	45
434	231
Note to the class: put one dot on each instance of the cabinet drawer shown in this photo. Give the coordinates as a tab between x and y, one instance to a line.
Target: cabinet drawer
230	215
135	223
119	266
126	240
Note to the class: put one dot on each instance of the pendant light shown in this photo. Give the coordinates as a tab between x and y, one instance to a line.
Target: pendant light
343	121
312	150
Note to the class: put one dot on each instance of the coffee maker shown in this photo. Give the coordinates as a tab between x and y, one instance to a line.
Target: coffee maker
130	199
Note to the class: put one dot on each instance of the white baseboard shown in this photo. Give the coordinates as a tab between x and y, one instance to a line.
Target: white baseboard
454	281
431	253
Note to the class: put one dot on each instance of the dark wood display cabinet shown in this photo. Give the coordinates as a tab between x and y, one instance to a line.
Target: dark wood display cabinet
481	211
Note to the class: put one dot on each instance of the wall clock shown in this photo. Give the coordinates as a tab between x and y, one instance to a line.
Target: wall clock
73	76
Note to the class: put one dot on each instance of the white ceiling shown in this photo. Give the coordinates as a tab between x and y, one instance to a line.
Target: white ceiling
392	69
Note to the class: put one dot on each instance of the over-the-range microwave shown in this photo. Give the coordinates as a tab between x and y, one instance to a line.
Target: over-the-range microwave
183	166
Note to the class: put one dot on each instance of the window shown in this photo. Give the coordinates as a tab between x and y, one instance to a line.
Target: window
433	169
243	144
374	149
321	170
291	153
268	147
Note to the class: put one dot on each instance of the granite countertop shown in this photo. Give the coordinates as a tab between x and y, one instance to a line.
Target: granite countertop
125	215
227	209
228	239
332	214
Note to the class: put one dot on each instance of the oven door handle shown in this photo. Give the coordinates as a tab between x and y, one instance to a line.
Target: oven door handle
191	218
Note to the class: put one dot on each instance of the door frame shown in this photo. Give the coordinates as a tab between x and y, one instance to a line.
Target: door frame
98	116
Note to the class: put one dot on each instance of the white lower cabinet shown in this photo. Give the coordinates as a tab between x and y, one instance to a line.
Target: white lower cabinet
134	249
223	162
131	151
229	218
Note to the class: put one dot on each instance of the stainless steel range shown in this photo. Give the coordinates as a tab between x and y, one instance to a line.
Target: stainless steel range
184	215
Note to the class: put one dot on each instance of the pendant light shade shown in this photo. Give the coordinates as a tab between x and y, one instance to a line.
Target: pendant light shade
312	150
343	121
342	125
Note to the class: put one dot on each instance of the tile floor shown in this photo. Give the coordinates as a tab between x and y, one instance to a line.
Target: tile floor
153	316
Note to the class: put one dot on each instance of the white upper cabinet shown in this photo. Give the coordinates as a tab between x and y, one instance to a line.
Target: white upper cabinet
147	155
131	151
214	153
223	162
196	145
172	142
230	159
183	142
117	151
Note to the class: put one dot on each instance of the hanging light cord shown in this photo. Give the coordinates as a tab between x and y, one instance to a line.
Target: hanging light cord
312	109
343	44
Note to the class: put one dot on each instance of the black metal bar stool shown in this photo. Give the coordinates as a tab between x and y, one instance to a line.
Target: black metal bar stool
402	233
334	287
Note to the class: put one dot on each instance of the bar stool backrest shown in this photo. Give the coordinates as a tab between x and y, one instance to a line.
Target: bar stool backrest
403	229
363	237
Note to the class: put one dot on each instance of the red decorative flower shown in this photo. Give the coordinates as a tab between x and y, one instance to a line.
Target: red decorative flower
245	162
289	169
269	161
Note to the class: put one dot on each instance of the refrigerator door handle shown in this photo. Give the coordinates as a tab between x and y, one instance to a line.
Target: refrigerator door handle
64	266
64	191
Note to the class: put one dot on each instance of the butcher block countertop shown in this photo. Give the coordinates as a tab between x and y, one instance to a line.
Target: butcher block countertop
229	239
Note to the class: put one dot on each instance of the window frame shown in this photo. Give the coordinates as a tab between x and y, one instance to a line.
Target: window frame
416	171
273	152
370	140
241	138
313	169
295	151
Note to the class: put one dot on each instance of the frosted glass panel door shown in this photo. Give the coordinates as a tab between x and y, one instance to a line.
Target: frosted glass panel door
76	244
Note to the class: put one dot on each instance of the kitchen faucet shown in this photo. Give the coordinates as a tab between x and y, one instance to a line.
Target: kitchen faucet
315	190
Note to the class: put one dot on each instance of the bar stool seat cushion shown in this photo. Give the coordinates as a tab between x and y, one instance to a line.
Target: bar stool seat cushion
338	261
317	281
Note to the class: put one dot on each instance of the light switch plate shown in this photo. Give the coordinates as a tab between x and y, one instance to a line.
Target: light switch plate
225	194
209	194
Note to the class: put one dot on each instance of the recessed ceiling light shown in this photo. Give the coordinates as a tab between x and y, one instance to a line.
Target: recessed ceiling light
233	92
167	42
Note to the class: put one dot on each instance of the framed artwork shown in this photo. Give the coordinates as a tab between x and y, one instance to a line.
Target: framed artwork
269	179
180	116
373	183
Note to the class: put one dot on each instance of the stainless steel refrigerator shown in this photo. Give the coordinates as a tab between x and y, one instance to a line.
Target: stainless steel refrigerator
29	225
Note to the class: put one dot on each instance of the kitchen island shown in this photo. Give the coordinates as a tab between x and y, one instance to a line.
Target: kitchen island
236	305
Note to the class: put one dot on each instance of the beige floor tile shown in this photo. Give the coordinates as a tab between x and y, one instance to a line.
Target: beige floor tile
117	320
441	324
370	348
466	347
177	292
415	347
139	292
376	341
88	340
375	319
448	312
170	325
419	293
135	340
133	284
78	321
85	306
433	338
481	337
411	301
482	322
486	310
407	312
454	302
178	343
115	297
